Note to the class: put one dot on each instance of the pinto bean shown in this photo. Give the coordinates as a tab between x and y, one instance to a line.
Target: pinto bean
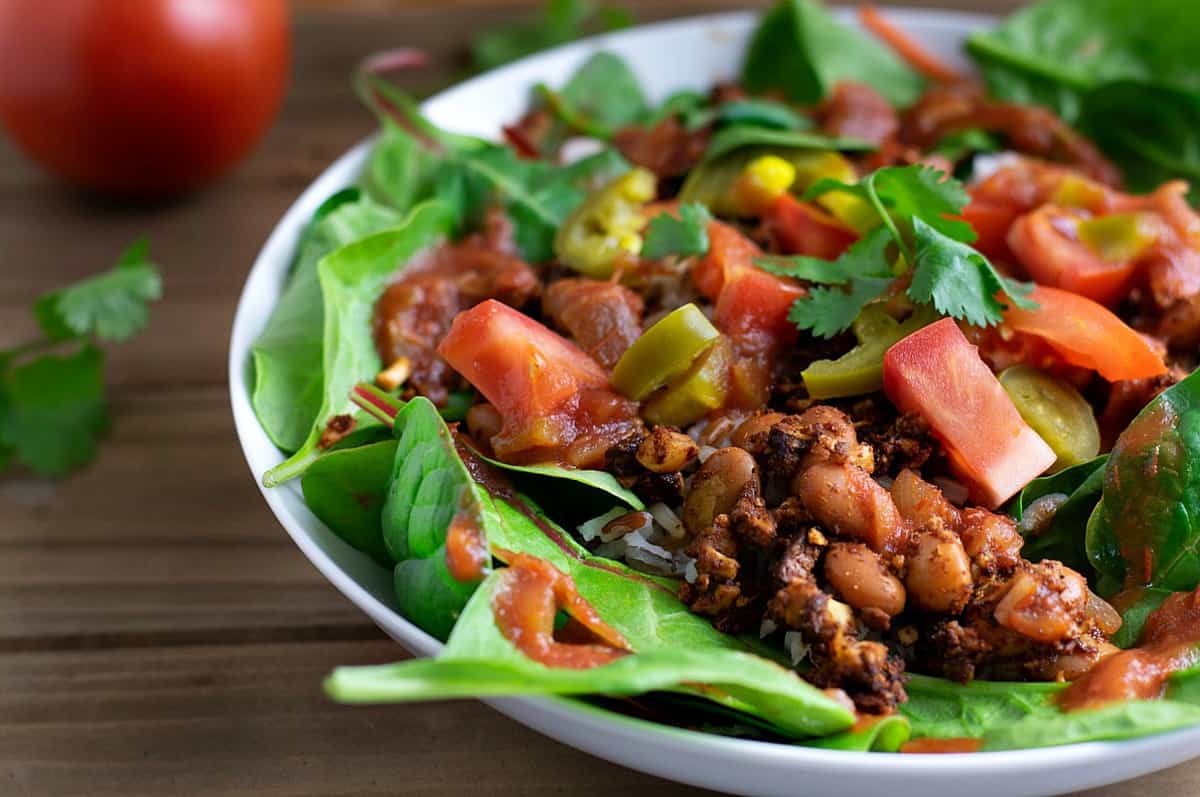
921	503
1046	602
990	540
716	486
666	451
939	572
861	579
848	502
751	431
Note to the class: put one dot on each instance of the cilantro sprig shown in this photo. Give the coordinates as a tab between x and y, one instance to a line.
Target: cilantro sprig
684	234
52	406
920	236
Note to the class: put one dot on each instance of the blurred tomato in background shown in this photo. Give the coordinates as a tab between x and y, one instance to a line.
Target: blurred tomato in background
141	97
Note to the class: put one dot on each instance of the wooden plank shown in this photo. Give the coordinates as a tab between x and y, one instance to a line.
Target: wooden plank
222	720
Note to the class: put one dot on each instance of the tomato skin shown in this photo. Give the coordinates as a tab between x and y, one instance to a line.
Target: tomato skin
802	229
1086	334
728	252
936	373
991	222
755	303
1051	258
141	97
523	368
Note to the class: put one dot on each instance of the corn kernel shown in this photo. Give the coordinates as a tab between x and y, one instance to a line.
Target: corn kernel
395	374
761	182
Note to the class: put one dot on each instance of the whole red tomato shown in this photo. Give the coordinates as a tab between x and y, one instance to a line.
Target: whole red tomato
141	97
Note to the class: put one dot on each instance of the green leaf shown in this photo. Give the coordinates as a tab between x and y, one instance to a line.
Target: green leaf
683	235
52	411
1145	530
346	489
1052	51
760	112
606	92
561	21
351	279
911	192
1133	619
108	306
599	480
1123	720
287	356
429	489
803	267
800	50
400	170
959	144
956	279
866	276
944	709
740	136
884	735
1064	539
479	661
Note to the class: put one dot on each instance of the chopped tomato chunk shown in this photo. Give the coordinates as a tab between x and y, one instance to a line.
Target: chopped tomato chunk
1046	243
1086	334
938	374
991	222
553	398
803	229
728	252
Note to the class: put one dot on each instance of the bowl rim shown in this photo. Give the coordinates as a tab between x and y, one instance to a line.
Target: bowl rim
270	267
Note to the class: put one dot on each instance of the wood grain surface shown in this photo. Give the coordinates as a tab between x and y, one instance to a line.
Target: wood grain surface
159	633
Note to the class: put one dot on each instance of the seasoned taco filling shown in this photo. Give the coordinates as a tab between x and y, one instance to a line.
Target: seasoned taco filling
880	379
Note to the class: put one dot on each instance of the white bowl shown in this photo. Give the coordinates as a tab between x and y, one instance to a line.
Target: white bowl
689	53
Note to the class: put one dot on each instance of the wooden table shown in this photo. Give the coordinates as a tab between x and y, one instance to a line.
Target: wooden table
159	633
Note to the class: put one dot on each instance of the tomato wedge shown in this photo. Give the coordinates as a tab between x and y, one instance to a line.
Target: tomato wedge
936	373
1045	243
523	368
803	229
728	252
1086	334
991	222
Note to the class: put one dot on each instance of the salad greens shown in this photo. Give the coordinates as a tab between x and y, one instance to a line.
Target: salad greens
802	51
1124	520
1122	71
52	407
561	21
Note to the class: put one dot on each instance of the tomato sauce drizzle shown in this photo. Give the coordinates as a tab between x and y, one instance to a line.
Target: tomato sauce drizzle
1167	645
466	551
530	595
952	745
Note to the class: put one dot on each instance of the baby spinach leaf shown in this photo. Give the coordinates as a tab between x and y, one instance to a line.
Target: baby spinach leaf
599	480
1065	538
479	661
762	113
430	488
739	136
399	171
944	709
884	735
287	356
1133	619
351	279
1123	720
684	234
346	490
802	51
1052	52
1152	132
602	96
1144	531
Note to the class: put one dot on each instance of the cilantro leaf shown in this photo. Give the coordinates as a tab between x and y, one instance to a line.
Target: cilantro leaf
866	275
803	267
909	192
956	279
53	411
109	306
684	235
828	311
